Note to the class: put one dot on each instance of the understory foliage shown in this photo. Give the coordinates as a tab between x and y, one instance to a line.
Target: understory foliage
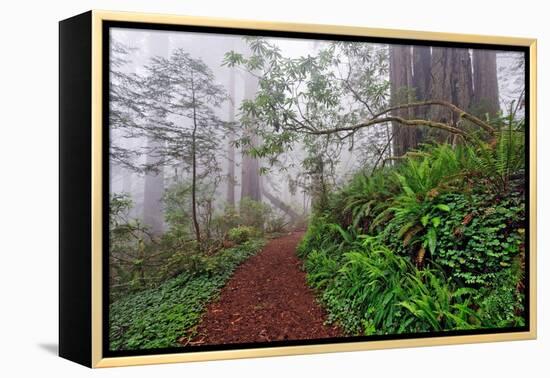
372	290
129	247
161	284
434	242
141	261
158	317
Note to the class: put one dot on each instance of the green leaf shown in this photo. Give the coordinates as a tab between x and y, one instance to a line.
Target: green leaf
436	221
443	207
424	220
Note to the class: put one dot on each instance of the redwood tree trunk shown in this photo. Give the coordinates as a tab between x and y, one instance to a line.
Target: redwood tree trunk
154	181
405	138
250	176
463	90
485	83
250	166
452	82
422	75
441	88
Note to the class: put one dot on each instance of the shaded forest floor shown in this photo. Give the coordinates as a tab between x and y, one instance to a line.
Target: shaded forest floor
267	299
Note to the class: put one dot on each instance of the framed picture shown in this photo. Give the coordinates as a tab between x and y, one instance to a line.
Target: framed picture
235	189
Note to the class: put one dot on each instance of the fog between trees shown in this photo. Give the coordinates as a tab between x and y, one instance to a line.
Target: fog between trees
147	167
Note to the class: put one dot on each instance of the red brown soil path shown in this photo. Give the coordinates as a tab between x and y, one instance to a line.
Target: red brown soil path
267	299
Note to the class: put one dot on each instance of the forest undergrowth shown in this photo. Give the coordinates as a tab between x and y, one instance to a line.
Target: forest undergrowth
434	242
161	316
160	291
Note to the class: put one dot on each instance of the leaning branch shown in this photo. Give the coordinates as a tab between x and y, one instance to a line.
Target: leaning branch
461	113
402	121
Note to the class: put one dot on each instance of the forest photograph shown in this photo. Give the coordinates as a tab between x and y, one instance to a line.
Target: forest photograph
270	189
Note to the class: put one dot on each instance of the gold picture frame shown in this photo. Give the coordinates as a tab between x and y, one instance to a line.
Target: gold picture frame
91	327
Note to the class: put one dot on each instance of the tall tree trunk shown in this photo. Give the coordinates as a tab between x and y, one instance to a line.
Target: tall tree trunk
250	166
250	175
231	147
486	99
441	88
404	138
451	81
422	75
154	181
463	90
194	170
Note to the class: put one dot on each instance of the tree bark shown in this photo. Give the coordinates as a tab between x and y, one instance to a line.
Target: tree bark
405	138
463	90
250	176
486	100
451	82
441	86
422	75
250	166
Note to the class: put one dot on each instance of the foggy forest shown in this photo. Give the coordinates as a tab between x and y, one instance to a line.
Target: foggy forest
267	189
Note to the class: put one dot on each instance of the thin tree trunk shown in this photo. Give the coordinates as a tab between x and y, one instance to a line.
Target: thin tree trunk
194	170
231	146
